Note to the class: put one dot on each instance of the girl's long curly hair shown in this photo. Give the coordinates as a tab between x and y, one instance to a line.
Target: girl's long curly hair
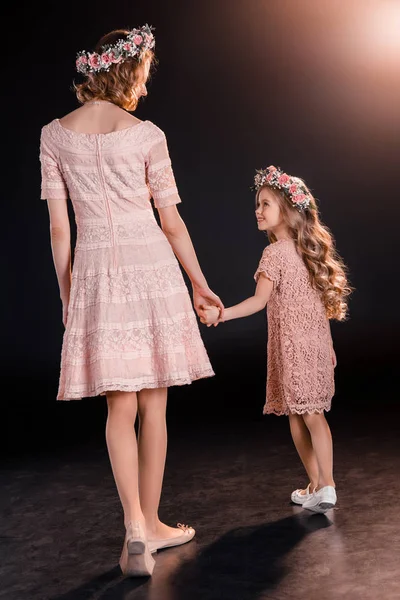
316	245
118	84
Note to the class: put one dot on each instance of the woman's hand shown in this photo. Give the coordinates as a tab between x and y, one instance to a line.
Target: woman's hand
210	315
65	313
203	298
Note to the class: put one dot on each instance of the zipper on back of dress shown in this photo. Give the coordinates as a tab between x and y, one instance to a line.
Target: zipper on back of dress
106	199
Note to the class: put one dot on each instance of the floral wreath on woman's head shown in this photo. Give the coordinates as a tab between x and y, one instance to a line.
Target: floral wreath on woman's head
294	188
137	41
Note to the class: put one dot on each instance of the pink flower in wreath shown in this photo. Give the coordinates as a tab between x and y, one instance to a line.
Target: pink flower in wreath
81	63
114	57
270	177
138	39
127	46
293	188
106	59
271	169
299	198
283	179
94	61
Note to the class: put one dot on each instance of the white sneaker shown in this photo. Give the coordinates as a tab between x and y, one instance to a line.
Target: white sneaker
322	500
298	498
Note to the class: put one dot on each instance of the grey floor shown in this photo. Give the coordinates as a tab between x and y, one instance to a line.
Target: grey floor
61	527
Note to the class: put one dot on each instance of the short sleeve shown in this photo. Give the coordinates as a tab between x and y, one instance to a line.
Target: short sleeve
160	177
270	265
53	184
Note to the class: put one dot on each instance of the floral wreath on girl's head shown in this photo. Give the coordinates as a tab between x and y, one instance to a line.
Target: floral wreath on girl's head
137	41
293	188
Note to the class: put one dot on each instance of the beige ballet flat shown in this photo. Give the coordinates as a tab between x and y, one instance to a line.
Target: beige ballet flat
136	559
188	534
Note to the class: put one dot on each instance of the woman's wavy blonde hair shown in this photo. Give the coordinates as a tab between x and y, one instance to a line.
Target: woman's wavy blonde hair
316	245
118	84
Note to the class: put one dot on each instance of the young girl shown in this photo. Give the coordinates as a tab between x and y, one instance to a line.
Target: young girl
303	281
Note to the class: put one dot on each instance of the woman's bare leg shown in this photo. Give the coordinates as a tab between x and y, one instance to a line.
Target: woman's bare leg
123	453
152	406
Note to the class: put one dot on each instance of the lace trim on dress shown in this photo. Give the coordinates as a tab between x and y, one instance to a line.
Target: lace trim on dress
53	184
270	410
121	286
141	232
143	133
76	392
161	164
120	328
142	339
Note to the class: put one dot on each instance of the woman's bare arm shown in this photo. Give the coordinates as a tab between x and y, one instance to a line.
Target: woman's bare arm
178	236
60	237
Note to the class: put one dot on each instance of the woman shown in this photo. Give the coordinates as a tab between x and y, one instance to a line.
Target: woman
130	327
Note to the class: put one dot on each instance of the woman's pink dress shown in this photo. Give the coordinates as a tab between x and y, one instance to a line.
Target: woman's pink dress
130	323
300	351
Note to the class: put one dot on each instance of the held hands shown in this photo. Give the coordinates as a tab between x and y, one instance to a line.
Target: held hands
207	305
210	315
204	297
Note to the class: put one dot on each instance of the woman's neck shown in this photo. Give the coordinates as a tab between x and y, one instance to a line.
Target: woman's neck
97	102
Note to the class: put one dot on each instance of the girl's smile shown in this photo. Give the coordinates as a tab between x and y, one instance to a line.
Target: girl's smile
268	213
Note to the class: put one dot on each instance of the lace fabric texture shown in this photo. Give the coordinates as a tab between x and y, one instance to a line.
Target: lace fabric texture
131	323
300	351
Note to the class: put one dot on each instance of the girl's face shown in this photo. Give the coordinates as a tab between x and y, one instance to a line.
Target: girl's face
268	212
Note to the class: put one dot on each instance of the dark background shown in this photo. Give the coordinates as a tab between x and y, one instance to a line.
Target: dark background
312	86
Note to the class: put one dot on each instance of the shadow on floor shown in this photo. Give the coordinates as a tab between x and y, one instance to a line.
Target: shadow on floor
246	561
240	565
110	584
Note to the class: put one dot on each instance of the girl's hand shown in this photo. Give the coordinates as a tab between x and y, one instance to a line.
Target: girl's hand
204	298
210	315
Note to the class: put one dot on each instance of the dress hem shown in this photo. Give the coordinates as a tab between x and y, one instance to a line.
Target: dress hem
102	389
304	411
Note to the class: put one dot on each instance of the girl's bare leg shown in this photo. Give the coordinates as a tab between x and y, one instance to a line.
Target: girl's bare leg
322	443
302	441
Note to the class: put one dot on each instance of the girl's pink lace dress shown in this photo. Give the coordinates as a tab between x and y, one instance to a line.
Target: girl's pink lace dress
131	323
300	352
